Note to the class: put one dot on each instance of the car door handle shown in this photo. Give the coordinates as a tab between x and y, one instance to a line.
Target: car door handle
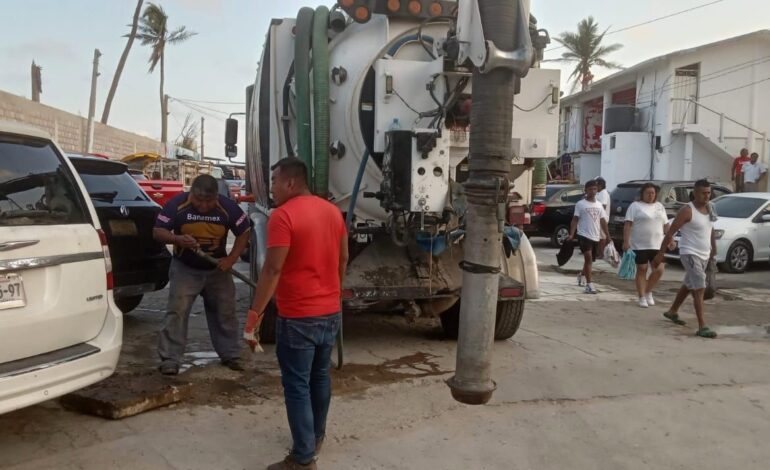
15	245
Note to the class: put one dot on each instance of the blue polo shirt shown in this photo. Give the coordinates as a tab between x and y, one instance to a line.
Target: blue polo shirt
210	229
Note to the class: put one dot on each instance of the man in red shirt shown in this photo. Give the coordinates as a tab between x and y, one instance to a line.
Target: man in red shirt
307	252
737	175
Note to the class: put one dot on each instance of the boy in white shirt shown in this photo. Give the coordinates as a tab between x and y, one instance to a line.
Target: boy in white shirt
590	223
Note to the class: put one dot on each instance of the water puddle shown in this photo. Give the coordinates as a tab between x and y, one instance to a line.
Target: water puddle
355	378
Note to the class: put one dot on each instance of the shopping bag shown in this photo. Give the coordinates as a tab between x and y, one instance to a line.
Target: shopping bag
711	280
627	268
565	253
611	255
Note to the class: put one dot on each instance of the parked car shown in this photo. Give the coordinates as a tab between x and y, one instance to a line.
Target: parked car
139	263
742	231
673	195
60	329
551	216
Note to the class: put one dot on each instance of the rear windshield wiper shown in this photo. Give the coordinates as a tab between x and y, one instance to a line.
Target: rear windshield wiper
108	196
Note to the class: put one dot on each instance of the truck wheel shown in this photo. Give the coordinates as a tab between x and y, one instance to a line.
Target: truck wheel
559	236
267	327
126	304
509	315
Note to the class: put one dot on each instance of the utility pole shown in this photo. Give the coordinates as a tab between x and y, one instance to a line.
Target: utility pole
92	104
203	120
486	190
37	82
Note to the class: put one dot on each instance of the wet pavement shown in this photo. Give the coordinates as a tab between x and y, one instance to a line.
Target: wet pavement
588	382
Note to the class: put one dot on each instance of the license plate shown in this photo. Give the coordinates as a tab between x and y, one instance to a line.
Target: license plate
123	228
11	291
618	219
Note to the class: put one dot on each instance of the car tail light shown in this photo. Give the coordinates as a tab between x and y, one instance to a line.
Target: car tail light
510	292
347	294
107	259
518	215
538	208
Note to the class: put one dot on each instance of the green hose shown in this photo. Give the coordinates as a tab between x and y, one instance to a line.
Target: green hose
321	101
302	86
540	177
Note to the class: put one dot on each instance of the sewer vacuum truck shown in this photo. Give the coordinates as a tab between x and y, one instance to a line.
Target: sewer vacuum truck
376	97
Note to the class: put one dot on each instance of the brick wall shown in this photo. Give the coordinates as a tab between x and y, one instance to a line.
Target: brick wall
69	130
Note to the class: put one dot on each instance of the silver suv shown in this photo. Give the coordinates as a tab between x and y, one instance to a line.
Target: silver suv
59	327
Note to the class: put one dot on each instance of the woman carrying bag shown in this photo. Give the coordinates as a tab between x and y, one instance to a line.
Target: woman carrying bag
643	232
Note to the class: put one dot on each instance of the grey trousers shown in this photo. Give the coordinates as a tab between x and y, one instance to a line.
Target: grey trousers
218	291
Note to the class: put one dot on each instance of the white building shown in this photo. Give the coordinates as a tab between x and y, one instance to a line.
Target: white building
681	116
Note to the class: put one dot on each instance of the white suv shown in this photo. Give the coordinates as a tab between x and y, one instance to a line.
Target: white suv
59	327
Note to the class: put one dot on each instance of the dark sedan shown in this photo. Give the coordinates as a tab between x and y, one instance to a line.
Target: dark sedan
127	215
673	195
551	215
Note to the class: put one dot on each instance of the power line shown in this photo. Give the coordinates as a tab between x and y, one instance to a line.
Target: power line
736	88
212	102
707	77
200	106
654	20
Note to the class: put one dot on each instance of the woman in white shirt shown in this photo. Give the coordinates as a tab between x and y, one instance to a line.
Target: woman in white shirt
644	230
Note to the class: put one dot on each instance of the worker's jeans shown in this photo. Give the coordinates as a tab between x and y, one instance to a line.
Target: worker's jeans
218	292
304	348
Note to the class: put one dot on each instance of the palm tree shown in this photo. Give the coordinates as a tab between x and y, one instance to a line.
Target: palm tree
122	62
585	47
153	31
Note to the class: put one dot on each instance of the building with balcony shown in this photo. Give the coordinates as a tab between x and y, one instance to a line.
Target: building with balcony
680	116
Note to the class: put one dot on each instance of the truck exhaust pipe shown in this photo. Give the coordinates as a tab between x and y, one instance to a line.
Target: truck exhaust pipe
486	191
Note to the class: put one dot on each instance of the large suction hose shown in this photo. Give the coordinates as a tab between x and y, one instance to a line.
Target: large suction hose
302	86
321	102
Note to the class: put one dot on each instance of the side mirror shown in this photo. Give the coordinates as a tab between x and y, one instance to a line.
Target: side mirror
231	138
765	218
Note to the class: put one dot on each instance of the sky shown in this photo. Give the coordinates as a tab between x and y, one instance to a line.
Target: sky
221	60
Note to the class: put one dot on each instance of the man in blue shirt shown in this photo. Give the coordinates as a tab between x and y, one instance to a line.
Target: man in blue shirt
201	220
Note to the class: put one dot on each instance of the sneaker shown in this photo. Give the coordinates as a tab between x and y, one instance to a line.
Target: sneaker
580	280
169	368
590	289
290	464
643	302
233	364
649	299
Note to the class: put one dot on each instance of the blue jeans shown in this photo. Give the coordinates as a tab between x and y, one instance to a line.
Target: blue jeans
218	292
304	349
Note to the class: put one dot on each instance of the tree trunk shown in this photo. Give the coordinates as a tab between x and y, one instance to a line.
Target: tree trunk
163	104
121	63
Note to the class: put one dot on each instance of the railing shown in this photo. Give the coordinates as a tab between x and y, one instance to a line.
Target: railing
722	118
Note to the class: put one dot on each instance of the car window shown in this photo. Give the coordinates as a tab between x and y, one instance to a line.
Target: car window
737	207
111	188
625	194
682	194
573	195
717	192
36	186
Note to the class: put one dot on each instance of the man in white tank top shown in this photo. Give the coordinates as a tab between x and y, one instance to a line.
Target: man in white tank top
696	247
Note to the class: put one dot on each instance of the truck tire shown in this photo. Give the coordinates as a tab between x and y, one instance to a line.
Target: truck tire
509	315
126	304
267	327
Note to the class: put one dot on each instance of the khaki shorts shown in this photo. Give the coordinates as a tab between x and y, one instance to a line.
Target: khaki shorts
695	271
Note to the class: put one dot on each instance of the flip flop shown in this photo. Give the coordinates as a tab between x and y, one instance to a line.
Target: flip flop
674	318
706	332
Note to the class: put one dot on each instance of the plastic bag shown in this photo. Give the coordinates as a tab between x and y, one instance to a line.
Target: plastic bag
627	269
565	253
611	255
711	280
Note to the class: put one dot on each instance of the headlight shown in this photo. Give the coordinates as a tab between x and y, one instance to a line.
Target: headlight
718	234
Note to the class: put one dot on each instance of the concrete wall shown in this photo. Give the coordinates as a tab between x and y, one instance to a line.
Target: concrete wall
69	130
